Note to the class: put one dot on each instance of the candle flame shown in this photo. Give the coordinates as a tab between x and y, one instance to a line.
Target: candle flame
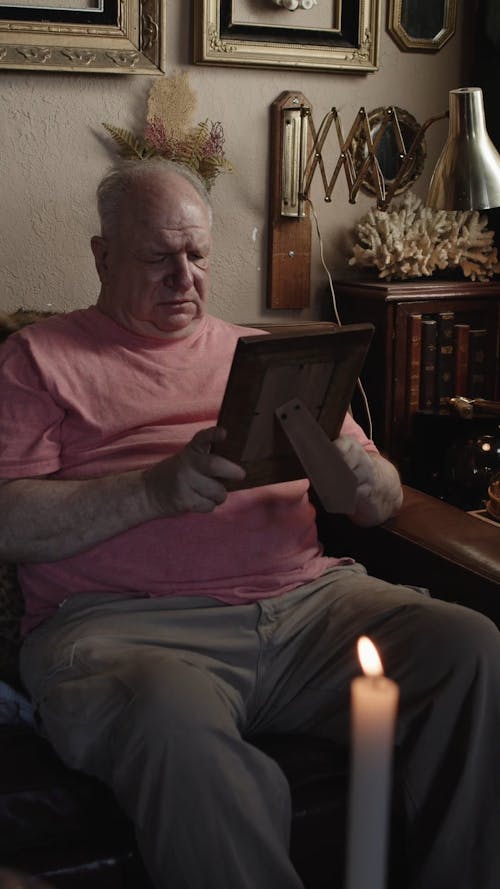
369	658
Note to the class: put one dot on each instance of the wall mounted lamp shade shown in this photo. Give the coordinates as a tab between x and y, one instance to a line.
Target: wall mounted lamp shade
467	174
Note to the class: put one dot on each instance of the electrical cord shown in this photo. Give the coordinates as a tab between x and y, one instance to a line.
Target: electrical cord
336	313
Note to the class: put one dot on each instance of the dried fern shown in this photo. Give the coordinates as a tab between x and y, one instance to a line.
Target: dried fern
128	143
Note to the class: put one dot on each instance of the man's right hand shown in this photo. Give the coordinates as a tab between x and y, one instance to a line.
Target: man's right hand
192	480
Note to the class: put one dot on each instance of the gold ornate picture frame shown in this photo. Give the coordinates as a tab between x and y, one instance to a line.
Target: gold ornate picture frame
332	35
89	36
421	25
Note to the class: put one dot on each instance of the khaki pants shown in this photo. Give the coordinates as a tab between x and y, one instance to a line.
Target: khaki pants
159	698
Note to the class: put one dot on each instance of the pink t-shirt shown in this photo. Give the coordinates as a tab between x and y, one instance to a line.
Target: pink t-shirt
83	397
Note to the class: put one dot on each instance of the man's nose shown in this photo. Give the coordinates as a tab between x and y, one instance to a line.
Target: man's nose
180	274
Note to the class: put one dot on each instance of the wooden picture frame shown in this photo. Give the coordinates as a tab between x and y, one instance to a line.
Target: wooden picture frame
91	36
311	370
334	35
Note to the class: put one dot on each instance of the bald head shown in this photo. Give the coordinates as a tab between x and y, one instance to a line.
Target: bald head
121	188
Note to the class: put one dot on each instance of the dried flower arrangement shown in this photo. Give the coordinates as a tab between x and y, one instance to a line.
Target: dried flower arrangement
169	132
414	241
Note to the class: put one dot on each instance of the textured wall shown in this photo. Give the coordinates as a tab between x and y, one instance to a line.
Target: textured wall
53	150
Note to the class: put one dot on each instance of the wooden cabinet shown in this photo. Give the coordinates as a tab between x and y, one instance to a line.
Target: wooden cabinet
385	376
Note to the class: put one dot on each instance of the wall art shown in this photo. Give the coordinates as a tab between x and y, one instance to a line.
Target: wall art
94	36
330	34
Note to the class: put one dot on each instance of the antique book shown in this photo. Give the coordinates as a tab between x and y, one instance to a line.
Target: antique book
477	383
445	364
413	362
428	364
461	358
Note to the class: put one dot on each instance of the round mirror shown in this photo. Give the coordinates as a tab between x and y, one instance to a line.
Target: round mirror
394	142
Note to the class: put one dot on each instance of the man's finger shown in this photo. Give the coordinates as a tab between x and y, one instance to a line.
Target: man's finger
222	468
202	440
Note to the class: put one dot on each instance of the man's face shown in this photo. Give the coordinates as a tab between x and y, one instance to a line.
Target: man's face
154	266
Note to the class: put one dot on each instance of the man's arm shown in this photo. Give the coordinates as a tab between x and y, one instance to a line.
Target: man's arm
379	493
50	519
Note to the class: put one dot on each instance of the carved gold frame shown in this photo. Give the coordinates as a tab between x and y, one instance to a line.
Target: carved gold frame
218	40
411	44
133	44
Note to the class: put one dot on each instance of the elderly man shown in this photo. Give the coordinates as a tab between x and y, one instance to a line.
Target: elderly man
168	621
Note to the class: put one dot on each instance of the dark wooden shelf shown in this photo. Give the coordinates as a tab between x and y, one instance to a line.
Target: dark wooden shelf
388	305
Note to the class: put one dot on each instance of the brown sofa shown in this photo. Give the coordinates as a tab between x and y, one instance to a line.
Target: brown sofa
67	828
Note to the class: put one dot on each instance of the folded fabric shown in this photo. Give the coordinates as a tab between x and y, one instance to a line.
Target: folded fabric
15	708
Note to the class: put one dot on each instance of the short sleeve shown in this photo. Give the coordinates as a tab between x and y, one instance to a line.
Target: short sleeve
30	419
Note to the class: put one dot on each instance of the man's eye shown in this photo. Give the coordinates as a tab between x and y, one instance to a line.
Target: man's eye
156	260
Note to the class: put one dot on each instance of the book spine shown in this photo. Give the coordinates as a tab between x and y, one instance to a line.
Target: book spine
428	364
477	382
461	372
413	364
445	359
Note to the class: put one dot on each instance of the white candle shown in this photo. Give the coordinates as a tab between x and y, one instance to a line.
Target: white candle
374	702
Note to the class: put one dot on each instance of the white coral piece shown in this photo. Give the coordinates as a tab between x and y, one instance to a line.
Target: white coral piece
414	241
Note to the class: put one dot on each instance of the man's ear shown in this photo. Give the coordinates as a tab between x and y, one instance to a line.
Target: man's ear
99	247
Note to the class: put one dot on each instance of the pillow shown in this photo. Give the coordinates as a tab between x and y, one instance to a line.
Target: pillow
15	707
9	323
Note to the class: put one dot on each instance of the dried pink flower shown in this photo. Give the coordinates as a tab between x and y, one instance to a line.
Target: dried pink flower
216	139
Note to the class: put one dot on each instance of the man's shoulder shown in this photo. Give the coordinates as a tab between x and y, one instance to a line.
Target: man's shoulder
40	325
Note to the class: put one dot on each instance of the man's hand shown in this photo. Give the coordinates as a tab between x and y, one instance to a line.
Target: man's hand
192	480
359	462
379	494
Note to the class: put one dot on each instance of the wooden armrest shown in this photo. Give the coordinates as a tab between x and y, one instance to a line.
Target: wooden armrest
430	544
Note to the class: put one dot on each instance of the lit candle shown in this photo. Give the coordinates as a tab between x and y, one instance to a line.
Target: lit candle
374	702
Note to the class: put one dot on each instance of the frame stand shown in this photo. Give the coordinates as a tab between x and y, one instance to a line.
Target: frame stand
334	483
